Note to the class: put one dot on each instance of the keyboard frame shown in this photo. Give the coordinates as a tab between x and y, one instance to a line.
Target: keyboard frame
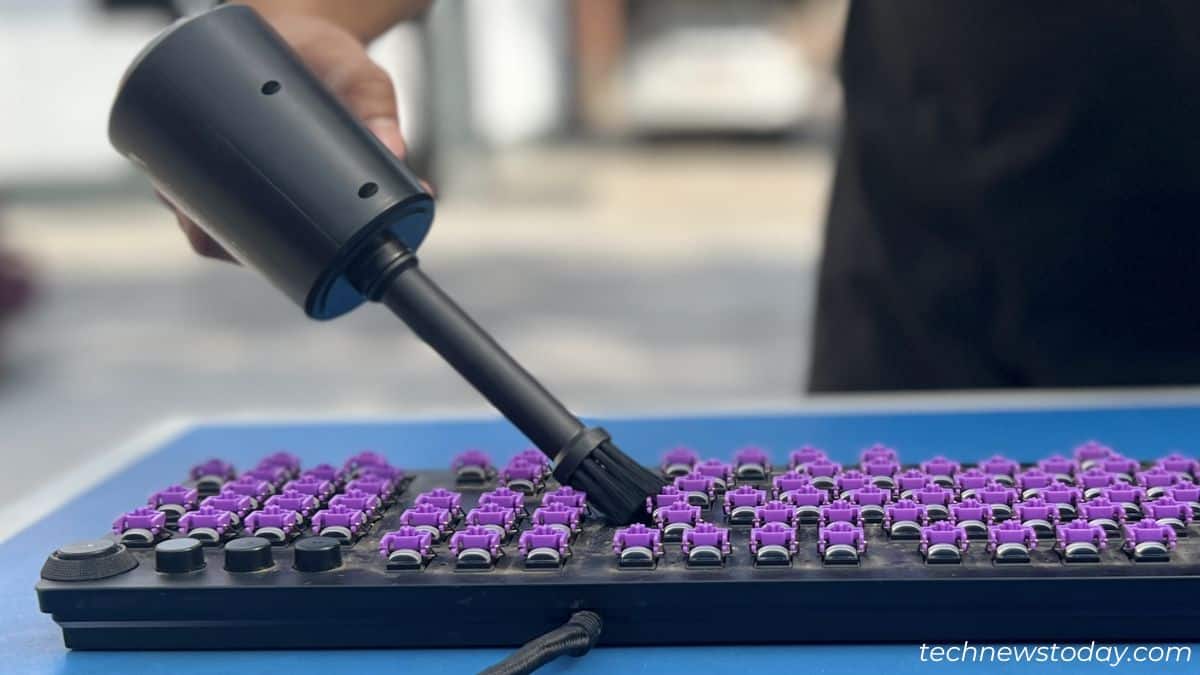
892	596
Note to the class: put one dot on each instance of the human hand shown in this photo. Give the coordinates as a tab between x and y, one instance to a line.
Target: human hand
340	61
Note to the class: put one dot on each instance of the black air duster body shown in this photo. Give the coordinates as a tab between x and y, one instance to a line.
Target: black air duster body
234	130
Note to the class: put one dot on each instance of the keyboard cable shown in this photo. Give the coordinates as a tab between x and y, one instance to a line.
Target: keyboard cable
576	637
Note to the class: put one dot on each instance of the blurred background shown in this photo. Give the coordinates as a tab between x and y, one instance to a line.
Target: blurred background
631	196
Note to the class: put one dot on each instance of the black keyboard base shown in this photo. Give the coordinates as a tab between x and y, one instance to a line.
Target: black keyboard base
892	596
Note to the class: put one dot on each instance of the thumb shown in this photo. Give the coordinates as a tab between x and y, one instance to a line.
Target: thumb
342	63
387	130
367	91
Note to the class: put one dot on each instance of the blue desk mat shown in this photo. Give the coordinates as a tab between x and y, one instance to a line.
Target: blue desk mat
31	643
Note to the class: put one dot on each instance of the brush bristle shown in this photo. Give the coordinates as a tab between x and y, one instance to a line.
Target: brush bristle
616	485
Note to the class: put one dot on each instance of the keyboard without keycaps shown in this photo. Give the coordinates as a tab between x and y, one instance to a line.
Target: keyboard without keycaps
1092	545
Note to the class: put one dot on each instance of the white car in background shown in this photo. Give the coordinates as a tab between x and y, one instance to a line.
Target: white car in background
736	79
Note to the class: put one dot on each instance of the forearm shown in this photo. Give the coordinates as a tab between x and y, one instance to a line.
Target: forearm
365	19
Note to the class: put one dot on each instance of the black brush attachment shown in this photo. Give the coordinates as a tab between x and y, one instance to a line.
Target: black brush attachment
620	485
235	130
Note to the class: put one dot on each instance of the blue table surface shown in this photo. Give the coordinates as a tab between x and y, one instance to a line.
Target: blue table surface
31	643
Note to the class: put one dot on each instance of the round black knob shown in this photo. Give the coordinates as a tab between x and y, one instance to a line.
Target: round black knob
318	554
177	556
248	554
88	560
82	550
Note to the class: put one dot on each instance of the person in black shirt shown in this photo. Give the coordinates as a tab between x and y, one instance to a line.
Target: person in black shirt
1017	197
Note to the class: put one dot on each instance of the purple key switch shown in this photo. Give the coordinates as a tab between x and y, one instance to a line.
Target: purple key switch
849	480
1080	532
502	519
698	486
418	543
1149	531
1059	466
799	458
839	510
941	469
523	473
1103	510
321	489
384	487
638	536
841	534
752	463
870	495
252	487
707	535
327	472
1168	510
558	515
213	469
364	458
273	520
943	535
476	538
678	461
505	497
788	481
1011	532
971	510
877	452
228	500
773	534
339	520
145	519
904	511
1180	464
443	499
293	500
206	521
289	462
721	472
679	513
358	500
775	511
543	537
566	495
474	463
744	496
912	479
971	479
175	497
999	465
428	517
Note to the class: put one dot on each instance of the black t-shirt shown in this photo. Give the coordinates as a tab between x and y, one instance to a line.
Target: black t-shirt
1017	198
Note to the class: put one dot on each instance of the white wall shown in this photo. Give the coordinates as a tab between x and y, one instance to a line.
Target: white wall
515	57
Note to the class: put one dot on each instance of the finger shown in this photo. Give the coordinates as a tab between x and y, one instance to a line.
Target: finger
388	132
368	92
201	243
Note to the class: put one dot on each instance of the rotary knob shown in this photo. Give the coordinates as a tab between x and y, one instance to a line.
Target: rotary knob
318	554
88	560
248	554
179	556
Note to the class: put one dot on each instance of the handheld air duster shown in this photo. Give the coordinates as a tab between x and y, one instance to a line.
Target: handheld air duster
240	135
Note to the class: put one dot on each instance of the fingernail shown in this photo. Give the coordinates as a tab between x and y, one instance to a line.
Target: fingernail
387	130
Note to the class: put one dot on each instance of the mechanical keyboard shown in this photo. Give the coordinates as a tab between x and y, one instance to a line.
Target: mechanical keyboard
1090	545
